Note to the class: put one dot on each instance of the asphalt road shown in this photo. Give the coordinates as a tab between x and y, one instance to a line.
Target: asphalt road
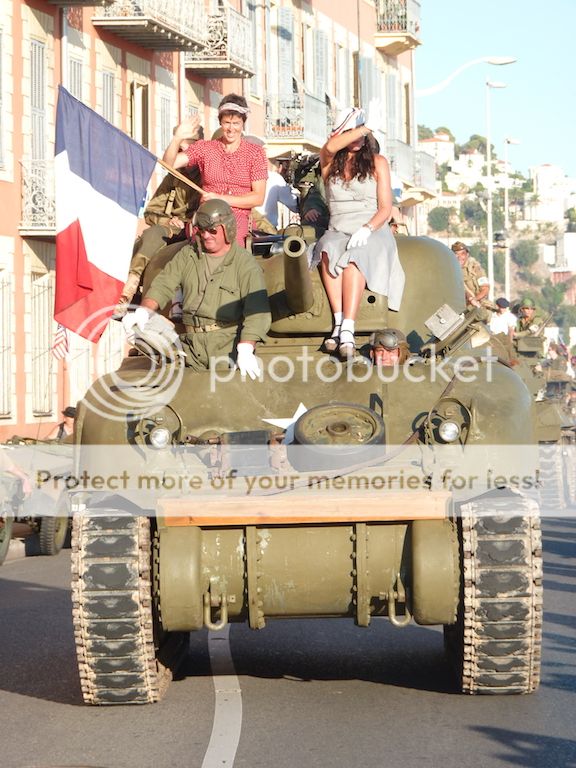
298	694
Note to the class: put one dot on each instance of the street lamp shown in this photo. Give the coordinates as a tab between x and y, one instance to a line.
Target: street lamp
496	60
489	218
507	284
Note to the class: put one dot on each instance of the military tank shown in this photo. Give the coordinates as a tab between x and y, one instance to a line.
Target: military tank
555	423
324	488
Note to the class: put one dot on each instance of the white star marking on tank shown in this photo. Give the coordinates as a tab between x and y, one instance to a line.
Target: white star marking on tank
288	423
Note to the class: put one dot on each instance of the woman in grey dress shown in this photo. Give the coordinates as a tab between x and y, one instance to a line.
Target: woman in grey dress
358	249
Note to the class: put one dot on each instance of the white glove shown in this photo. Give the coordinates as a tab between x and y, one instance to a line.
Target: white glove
246	361
374	116
359	238
138	318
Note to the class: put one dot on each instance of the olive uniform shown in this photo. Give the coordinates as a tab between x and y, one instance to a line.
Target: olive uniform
475	279
172	198
224	300
530	326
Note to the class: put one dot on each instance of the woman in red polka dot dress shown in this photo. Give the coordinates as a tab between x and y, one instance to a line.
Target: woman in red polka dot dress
232	168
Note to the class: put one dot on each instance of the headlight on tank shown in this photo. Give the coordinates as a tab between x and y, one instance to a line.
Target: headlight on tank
159	429
449	431
449	421
160	437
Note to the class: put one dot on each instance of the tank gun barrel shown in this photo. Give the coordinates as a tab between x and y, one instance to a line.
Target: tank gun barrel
298	283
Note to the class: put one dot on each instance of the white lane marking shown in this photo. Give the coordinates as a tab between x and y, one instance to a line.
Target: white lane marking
227	724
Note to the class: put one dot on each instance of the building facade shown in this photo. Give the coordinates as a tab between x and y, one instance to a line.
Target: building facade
144	65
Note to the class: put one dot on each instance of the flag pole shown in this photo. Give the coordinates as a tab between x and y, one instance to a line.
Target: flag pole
180	176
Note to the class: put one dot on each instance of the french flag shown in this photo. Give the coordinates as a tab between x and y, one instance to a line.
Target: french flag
101	177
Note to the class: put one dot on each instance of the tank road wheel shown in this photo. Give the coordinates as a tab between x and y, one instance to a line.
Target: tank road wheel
495	644
123	656
53	528
5	533
551	477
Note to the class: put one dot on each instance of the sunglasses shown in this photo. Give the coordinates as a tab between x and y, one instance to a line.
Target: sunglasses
209	230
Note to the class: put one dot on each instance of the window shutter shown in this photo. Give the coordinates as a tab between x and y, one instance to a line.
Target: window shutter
5	344
320	63
108	96
42	306
285	50
38	100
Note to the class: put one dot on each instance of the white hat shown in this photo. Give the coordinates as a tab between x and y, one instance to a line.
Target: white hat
348	118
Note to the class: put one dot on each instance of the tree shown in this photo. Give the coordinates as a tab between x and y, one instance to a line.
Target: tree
447	131
425	133
524	253
571	216
472	213
565	318
439	219
552	295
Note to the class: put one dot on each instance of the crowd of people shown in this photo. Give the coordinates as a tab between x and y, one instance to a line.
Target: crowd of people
521	320
223	303
220	293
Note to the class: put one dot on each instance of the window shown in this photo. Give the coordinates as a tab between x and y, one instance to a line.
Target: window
140	120
41	339
285	50
75	78
38	99
257	24
5	344
108	93
165	121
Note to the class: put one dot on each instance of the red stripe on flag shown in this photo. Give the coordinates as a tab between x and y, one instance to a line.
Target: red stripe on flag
60	347
85	297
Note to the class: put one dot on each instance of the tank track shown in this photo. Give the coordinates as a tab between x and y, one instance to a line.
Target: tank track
117	637
495	645
569	466
551	476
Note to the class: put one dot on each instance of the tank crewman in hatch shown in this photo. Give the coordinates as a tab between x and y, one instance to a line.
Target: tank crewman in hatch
531	321
476	285
388	346
225	304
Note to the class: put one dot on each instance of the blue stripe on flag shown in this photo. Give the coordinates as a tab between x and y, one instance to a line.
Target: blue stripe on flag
109	160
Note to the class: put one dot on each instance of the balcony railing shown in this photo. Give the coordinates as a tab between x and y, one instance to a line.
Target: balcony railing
38	208
397	25
81	3
162	25
296	119
425	171
401	159
228	48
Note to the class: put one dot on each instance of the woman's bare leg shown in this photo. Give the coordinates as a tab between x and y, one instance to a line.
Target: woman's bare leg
333	287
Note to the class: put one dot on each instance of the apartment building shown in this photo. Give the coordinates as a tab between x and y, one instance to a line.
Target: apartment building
144	65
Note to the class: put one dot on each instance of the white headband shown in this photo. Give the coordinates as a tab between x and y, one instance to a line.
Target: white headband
230	106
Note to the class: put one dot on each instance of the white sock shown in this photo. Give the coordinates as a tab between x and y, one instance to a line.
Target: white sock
338	318
347	325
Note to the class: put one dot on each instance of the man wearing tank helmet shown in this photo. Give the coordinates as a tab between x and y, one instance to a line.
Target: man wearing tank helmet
388	346
225	304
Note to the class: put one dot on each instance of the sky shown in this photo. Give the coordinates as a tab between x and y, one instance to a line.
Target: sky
538	105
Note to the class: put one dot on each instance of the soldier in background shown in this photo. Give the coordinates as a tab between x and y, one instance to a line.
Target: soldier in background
476	285
531	321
